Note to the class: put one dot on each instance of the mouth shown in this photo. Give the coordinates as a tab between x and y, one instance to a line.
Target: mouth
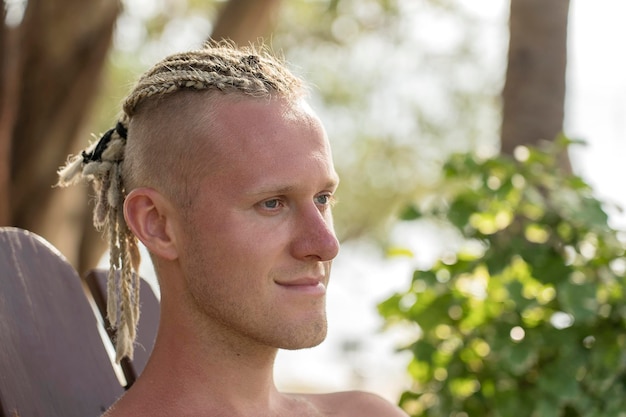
310	286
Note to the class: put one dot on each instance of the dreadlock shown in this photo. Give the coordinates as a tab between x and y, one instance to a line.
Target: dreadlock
218	67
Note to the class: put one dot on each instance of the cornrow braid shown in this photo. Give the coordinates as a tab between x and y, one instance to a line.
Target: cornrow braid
217	67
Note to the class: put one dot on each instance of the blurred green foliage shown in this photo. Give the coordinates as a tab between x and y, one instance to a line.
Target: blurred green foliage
529	317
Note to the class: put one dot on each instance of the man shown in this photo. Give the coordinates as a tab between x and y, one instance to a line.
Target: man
220	168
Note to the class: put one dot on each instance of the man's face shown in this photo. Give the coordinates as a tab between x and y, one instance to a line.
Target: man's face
258	241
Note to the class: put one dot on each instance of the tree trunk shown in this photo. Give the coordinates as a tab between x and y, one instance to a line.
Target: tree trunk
9	80
62	61
534	91
244	21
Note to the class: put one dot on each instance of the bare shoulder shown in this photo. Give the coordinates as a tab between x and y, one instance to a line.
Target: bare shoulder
354	404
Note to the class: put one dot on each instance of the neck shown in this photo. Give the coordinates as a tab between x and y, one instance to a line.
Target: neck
200	365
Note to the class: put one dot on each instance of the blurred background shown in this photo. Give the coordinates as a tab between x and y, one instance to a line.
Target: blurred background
402	86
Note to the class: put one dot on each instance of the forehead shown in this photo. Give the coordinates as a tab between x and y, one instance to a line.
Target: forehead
243	121
268	140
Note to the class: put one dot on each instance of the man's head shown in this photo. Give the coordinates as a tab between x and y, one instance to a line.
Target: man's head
255	240
163	109
163	142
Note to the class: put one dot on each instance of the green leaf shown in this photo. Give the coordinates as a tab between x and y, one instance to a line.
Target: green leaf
519	357
410	213
390	308
579	300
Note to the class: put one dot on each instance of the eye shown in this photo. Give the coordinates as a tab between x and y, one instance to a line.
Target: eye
324	199
272	204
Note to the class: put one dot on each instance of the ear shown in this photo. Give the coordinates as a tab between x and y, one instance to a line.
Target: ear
150	216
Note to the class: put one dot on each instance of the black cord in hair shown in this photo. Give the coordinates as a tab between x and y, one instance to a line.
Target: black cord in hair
96	154
121	130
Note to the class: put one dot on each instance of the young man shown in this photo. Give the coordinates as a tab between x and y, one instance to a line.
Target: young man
220	168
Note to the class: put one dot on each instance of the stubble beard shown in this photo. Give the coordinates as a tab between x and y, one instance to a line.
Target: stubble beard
265	328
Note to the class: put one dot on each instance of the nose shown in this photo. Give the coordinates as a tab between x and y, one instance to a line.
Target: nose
314	237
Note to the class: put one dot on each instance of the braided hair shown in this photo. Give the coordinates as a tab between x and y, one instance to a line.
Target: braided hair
218	68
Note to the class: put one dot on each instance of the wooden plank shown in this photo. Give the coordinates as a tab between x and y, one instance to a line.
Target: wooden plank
52	359
147	328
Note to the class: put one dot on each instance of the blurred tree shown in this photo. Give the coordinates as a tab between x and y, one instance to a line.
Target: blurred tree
52	66
527	317
243	21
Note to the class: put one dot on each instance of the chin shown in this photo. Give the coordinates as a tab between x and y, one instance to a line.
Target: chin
313	337
293	346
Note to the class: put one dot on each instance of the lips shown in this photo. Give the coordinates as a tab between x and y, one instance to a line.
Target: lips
300	282
314	286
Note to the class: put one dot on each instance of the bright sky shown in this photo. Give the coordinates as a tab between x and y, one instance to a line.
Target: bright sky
596	105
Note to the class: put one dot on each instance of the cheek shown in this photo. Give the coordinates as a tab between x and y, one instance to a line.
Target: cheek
225	238
225	271
231	246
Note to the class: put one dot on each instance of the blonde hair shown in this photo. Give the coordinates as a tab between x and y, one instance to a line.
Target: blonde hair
218	68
